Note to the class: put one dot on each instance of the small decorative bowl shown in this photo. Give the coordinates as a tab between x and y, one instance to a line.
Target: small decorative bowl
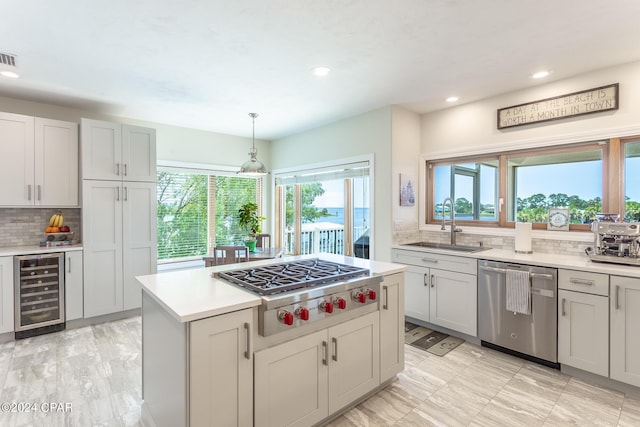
608	217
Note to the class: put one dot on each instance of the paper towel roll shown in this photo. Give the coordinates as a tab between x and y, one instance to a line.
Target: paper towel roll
523	237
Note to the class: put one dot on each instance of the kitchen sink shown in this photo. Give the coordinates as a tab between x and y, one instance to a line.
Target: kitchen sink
446	246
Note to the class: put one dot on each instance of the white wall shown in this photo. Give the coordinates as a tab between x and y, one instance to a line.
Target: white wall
405	131
173	142
368	133
472	127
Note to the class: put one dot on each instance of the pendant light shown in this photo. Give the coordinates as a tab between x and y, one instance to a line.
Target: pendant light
253	166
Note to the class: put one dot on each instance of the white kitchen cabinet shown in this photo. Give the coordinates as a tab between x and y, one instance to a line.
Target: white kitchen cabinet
453	301
417	293
440	289
221	370
392	326
291	382
73	288
6	294
39	162
625	329
116	152
119	233
583	319
300	382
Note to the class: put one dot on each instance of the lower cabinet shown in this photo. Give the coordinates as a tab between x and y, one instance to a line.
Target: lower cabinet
73	288
625	329
221	370
300	382
453	302
6	294
583	331
441	289
391	326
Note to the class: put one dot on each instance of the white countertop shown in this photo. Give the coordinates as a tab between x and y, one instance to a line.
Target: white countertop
194	294
571	262
35	249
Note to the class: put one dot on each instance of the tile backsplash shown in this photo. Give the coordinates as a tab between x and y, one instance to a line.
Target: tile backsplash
549	246
25	227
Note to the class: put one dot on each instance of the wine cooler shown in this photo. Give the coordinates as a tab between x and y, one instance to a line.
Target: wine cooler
39	294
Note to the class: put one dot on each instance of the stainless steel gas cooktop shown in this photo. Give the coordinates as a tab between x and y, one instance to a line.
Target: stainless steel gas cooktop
284	277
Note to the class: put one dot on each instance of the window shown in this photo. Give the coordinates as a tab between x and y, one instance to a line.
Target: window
631	188
564	179
197	210
473	188
523	185
324	210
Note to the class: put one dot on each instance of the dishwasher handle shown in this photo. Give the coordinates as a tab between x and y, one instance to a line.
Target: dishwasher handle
544	276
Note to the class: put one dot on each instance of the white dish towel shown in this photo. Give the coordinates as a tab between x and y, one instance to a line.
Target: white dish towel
518	291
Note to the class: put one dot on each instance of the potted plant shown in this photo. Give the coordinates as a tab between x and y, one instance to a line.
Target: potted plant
249	219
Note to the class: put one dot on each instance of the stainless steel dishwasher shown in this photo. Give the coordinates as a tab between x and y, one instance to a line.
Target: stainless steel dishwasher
533	336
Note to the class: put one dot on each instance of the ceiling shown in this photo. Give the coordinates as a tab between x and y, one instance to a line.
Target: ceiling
207	64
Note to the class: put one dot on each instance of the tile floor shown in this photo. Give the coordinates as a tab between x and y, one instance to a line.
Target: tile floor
97	371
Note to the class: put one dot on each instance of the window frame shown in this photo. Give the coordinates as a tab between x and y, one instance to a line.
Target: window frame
210	170
613	161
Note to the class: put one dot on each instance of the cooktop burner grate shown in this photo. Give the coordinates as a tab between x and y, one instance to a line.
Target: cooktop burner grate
276	278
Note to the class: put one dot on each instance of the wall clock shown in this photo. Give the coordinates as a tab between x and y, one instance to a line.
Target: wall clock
558	219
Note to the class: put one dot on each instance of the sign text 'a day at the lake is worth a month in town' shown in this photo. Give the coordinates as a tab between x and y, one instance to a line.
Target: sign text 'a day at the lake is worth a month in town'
574	104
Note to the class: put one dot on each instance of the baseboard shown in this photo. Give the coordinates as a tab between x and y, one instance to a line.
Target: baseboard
80	323
599	380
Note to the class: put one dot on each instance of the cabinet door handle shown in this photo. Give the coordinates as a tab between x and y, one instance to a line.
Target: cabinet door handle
385	304
117	194
68	264
433	281
335	349
125	169
118	169
576	281
39	192
425	281
433	260
325	353
617	297
564	313
248	342
126	194
29	192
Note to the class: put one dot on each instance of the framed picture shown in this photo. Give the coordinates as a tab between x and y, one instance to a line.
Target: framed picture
407	190
558	219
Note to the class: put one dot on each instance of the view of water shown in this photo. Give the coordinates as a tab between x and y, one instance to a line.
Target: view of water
360	216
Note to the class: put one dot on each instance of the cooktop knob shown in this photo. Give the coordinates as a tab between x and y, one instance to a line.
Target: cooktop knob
303	313
327	307
341	303
372	295
286	317
360	297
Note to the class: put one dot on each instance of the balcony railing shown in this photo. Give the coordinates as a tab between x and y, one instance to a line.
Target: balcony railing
320	237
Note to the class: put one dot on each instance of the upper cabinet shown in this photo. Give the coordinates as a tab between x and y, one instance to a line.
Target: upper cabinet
39	164
115	152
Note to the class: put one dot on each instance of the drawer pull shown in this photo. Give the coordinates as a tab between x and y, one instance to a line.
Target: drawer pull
433	260
577	281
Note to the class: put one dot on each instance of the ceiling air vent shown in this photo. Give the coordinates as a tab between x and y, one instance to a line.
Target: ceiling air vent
8	60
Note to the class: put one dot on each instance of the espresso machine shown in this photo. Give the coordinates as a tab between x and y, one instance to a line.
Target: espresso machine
616	242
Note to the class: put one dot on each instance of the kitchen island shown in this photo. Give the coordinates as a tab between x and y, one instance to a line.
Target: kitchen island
206	362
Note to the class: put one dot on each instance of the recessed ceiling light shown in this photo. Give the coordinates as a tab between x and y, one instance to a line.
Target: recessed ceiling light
540	74
10	74
321	71
452	99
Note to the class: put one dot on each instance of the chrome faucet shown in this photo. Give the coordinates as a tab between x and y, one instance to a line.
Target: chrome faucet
454	229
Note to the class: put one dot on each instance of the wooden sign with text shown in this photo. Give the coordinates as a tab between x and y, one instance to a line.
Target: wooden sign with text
596	100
